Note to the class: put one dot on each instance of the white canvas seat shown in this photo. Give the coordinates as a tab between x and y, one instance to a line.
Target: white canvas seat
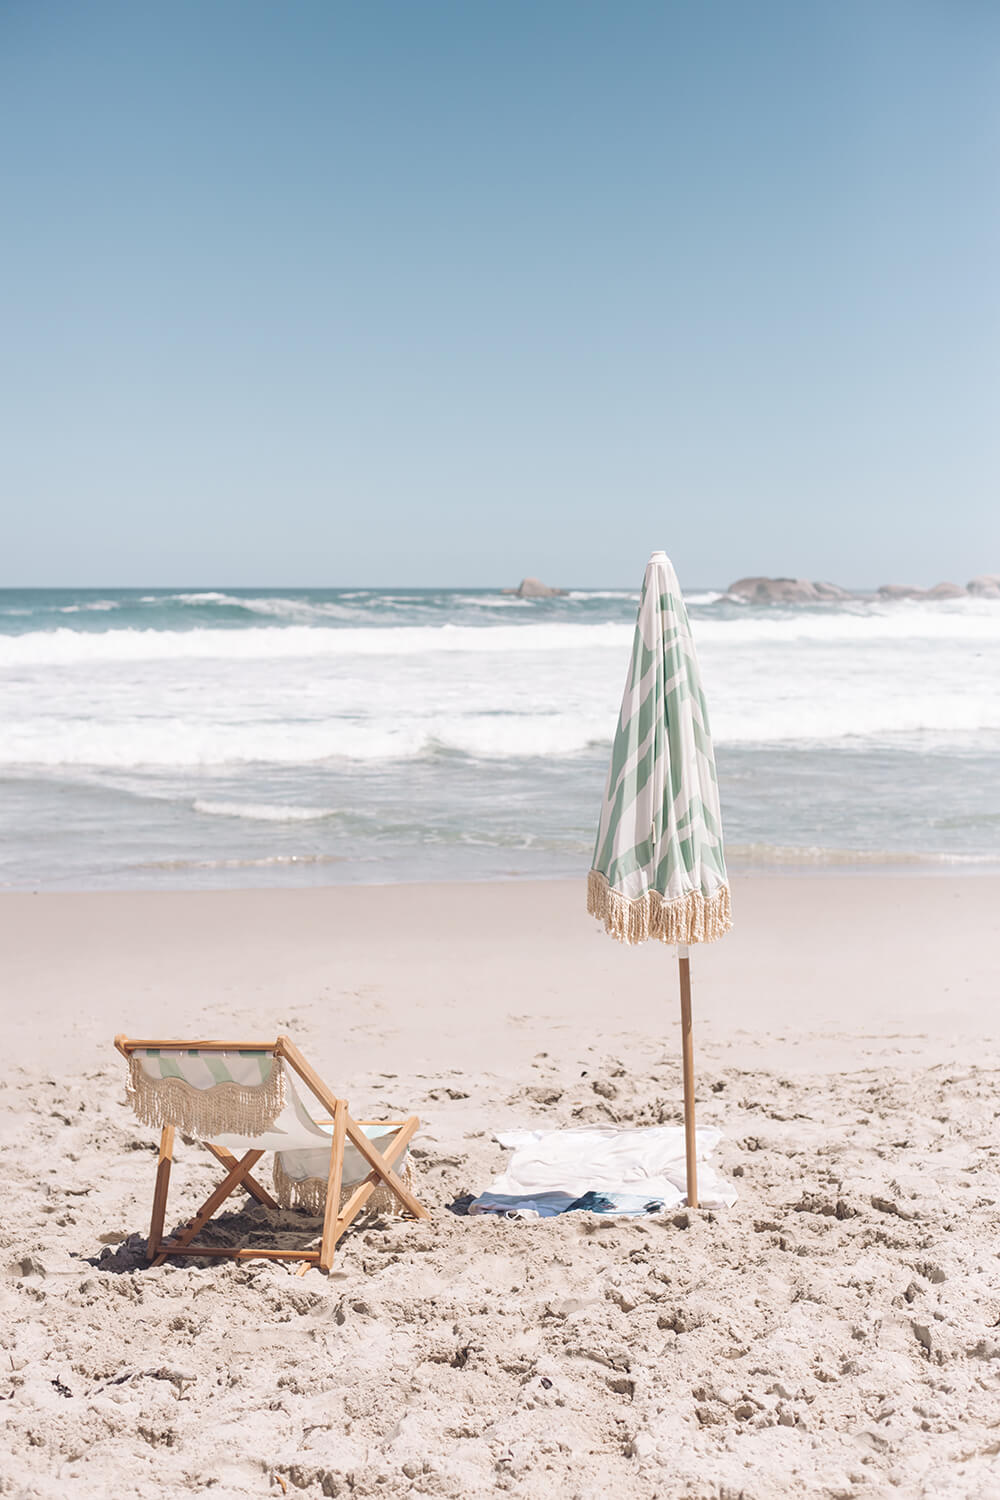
244	1099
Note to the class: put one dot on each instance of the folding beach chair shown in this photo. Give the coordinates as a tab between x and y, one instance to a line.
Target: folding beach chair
242	1099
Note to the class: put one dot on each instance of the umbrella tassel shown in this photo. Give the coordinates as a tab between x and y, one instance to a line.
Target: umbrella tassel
691	918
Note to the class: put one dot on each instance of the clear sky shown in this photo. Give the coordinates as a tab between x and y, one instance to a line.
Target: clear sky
444	293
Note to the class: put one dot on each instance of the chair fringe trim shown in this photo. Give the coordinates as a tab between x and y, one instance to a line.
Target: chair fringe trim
223	1109
692	918
309	1194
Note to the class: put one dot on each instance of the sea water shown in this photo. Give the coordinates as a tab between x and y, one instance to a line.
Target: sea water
201	737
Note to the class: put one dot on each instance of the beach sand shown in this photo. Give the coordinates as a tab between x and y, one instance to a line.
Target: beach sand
834	1334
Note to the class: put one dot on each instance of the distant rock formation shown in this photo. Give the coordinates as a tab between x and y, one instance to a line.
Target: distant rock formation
781	591
900	591
946	591
908	591
802	591
533	588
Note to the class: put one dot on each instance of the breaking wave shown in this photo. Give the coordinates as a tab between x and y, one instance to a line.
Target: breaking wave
309	630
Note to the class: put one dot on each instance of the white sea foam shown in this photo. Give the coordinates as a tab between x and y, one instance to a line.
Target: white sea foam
300	611
264	812
842	717
805	855
272	606
958	620
489	735
604	594
64	647
208	597
133	743
493	601
259	863
123	743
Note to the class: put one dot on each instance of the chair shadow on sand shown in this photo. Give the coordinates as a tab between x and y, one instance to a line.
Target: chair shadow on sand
246	1226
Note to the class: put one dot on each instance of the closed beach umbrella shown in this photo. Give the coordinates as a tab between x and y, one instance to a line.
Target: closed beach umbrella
659	869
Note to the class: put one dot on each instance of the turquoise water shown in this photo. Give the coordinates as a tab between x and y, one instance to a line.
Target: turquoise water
200	737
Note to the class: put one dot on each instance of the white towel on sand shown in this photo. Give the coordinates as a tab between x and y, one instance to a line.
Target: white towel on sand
633	1170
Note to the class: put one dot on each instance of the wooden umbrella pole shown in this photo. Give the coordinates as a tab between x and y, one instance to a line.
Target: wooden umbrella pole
687	1054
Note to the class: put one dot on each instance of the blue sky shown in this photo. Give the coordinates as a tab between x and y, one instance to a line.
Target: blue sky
316	293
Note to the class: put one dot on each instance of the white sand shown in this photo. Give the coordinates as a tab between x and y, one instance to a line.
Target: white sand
834	1334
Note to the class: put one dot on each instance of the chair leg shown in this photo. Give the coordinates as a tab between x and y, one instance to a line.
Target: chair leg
380	1164
231	1181
251	1184
333	1186
364	1190
160	1191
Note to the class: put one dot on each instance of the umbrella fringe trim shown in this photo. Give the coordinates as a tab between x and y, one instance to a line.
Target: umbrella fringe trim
692	918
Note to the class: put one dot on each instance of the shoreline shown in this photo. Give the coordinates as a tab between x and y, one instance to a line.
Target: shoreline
801	863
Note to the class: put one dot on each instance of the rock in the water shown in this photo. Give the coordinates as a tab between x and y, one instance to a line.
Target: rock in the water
533	588
909	591
831	591
775	590
985	586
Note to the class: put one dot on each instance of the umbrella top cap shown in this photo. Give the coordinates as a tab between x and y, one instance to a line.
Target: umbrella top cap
661	569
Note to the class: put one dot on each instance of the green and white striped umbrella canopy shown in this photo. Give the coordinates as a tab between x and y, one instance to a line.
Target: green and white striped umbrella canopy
659	870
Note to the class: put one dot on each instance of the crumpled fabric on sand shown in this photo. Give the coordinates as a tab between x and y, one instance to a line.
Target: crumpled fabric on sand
603	1169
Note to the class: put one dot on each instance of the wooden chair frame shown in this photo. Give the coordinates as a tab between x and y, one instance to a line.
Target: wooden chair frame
239	1173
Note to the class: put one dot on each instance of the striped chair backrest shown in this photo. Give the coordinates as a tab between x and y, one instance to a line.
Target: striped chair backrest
207	1092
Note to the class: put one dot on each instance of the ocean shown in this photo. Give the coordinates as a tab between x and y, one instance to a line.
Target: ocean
205	738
